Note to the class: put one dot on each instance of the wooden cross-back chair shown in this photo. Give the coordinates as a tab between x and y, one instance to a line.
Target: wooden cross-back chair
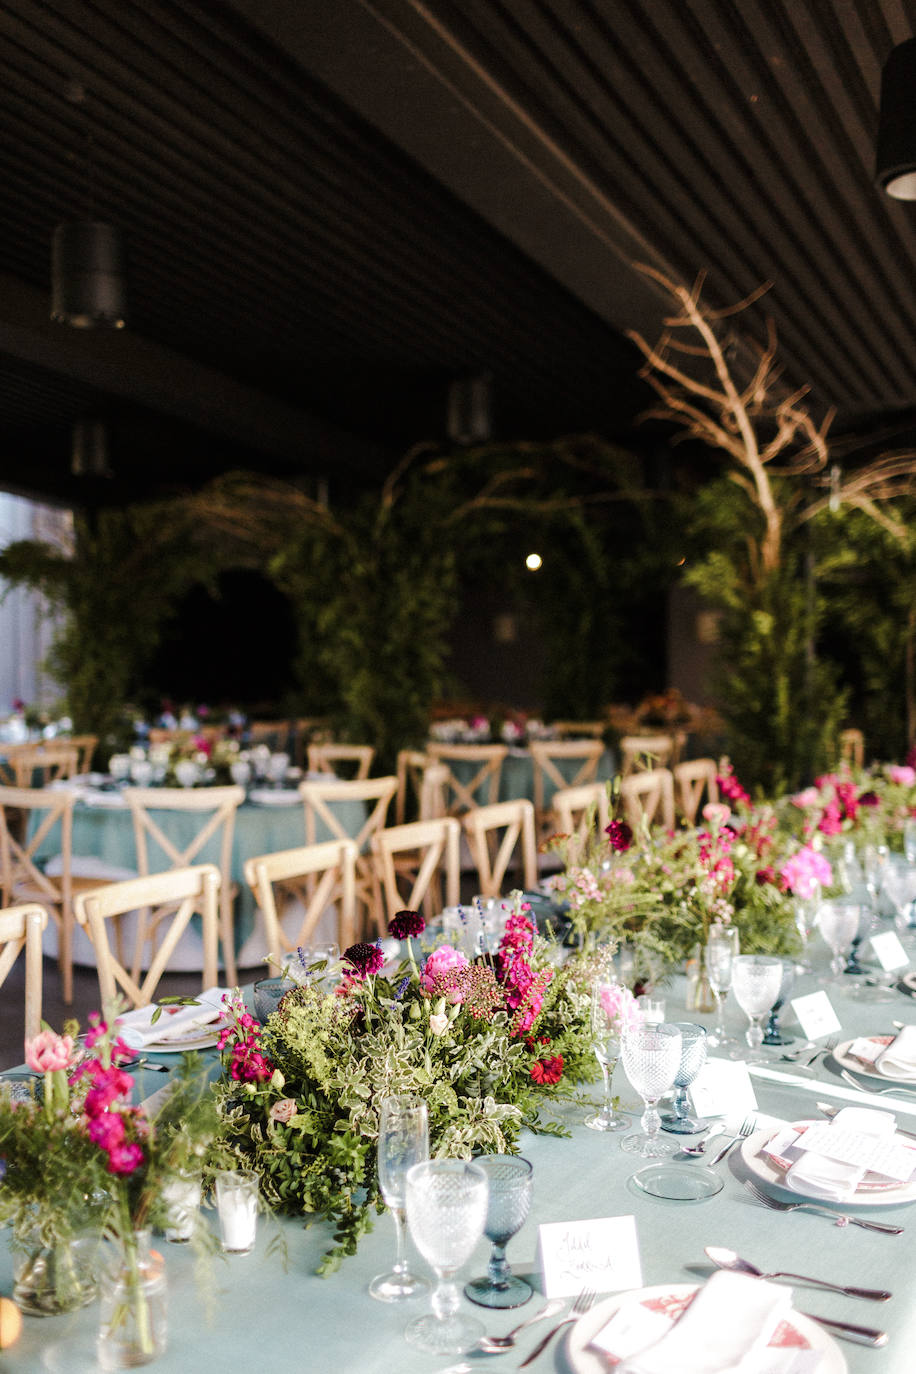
463	796
648	798
641	753
554	763
171	899
22	878
215	807
273	733
85	746
409	883
579	729
35	765
421	780
691	779
20	929
852	747
571	806
504	827
333	866
324	758
375	795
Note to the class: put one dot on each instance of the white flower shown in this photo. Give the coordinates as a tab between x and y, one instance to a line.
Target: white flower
438	1022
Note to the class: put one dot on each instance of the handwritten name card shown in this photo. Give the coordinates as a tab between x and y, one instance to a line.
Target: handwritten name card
601	1254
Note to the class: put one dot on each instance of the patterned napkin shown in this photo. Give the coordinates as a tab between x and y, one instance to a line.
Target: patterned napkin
818	1176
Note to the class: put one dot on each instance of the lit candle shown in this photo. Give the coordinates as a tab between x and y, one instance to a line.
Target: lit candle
237	1202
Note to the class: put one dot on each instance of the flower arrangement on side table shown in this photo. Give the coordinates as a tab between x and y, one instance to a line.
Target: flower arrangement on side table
486	1042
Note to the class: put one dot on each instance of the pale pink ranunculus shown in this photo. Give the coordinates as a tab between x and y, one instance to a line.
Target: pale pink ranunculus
442	960
901	773
284	1110
716	813
808	797
48	1051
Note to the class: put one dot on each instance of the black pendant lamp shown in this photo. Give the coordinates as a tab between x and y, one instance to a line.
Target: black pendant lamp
89	449
896	149
469	416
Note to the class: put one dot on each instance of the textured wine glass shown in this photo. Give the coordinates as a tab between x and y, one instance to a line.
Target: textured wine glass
509	1179
446	1211
651	1057
838	923
756	979
606	1044
773	1032
900	886
875	864
719	954
807	905
693	1056
403	1140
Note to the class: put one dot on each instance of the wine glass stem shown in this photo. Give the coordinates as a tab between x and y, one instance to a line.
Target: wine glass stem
400	1261
680	1103
497	1269
607	1086
651	1121
446	1298
754	1033
719	1028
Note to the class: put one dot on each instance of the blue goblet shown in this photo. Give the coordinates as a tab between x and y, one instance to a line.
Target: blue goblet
693	1057
508	1202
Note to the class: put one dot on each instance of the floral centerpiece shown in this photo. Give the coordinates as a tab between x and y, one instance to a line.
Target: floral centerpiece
868	808
487	1042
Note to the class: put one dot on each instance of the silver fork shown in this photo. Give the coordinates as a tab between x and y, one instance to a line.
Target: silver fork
877	1092
828	1047
839	1217
747	1127
579	1308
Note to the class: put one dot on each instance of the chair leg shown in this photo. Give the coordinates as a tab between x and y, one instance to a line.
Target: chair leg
65	952
227	937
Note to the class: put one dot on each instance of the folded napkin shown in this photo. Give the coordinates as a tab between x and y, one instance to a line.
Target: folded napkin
817	1176
725	1330
137	1030
93	797
899	1059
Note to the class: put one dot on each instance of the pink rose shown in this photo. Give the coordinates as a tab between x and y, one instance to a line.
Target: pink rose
717	813
809	797
441	961
48	1051
902	774
804	871
284	1110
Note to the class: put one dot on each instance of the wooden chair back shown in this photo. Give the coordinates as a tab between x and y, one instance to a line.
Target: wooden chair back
579	729
464	796
375	794
511	824
648	798
432	846
572	805
216	808
547	756
273	733
852	747
641	753
411	764
324	758
85	746
691	780
167	901
35	765
332	864
20	929
22	879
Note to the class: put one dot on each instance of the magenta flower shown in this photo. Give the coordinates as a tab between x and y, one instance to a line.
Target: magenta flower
442	960
804	871
125	1158
106	1130
364	959
620	835
406	923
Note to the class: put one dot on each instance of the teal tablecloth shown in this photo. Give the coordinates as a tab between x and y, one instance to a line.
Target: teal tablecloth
270	1319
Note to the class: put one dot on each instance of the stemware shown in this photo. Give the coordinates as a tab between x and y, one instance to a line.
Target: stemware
606	1045
900	886
721	948
773	1034
756	980
838	923
446	1211
509	1180
875	864
909	839
403	1141
651	1057
806	909
693	1057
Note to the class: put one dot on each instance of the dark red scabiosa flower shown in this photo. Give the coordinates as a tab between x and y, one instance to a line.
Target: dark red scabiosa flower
765	875
364	959
406	923
869	799
547	1071
620	835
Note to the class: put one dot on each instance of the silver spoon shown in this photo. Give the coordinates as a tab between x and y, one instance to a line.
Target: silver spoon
493	1345
727	1259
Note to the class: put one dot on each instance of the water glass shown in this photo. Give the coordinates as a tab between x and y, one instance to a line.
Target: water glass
606	1045
756	980
446	1212
403	1140
693	1057
838	923
651	1057
721	949
909	839
509	1180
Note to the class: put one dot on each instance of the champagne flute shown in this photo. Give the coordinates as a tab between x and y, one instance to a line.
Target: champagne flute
651	1057
509	1179
403	1140
756	980
446	1211
606	1045
838	922
807	906
720	951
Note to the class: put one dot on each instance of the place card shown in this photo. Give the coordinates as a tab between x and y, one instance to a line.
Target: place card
815	1015
723	1088
601	1254
889	951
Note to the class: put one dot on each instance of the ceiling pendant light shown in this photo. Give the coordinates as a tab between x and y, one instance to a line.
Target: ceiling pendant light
896	146
89	449
469	415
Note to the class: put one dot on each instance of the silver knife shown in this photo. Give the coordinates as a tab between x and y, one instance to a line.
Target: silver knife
862	1335
827	1110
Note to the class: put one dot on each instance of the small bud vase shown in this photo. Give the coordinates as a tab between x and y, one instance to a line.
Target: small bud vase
133	1313
54	1278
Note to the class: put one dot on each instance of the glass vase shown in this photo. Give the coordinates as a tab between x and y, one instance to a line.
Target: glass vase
699	992
53	1278
133	1311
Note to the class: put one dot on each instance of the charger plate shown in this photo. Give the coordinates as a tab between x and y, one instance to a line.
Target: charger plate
844	1059
871	1192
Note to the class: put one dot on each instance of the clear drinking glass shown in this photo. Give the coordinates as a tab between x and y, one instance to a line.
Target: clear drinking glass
403	1140
719	953
756	979
875	864
900	886
446	1211
806	909
509	1180
606	1044
693	1057
651	1057
909	840
838	922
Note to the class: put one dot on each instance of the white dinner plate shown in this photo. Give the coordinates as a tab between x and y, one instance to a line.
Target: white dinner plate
842	1057
193	1039
879	1194
909	980
795	1331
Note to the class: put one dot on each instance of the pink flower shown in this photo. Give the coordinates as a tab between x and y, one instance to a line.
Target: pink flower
441	961
620	836
717	813
804	871
809	797
124	1159
902	774
364	959
107	1130
284	1110
831	822
46	1052
620	1007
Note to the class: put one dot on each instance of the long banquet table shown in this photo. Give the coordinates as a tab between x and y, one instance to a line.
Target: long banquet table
270	1319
